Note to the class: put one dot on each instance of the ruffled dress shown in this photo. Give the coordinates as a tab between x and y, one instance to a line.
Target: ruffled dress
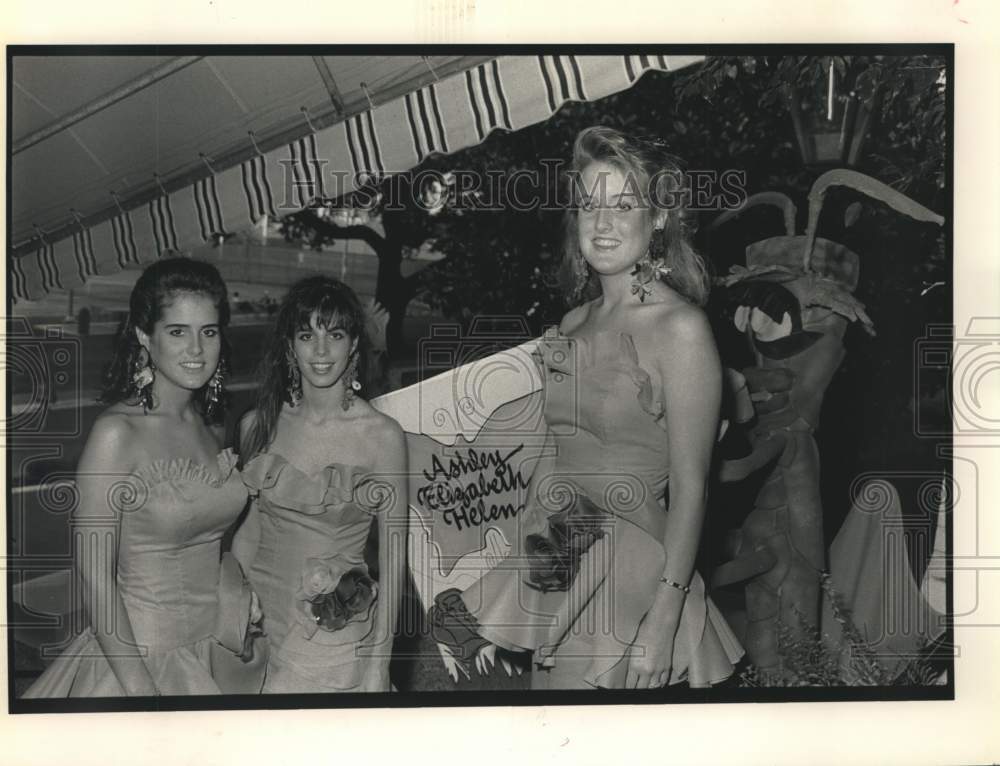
313	529
172	520
594	525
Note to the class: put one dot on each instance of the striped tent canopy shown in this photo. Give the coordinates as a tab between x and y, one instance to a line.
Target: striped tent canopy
119	160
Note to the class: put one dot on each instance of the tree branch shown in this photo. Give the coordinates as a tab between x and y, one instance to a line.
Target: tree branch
306	221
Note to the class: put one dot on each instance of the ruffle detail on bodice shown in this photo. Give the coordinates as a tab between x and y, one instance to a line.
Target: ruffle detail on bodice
609	350
169	470
288	487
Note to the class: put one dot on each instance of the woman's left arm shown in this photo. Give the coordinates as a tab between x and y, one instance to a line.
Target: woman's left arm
392	521
692	390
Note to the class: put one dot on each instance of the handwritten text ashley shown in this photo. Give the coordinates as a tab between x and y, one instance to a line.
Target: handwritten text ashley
459	491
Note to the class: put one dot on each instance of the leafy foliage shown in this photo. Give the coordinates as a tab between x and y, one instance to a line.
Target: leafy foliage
808	660
728	113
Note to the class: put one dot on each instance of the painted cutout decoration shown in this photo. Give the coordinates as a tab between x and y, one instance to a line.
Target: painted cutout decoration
466	499
793	302
474	436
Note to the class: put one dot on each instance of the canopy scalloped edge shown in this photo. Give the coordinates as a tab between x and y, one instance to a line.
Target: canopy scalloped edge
505	93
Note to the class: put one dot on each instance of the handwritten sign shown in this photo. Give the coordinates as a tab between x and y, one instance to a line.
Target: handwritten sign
460	491
466	499
475	436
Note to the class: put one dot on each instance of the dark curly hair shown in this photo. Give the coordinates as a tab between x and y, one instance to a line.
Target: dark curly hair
152	293
336	306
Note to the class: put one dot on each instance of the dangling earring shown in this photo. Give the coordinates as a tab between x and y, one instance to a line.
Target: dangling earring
650	267
294	380
214	393
143	374
581	275
351	383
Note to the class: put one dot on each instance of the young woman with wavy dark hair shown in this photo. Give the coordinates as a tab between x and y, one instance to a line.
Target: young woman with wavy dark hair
156	493
322	466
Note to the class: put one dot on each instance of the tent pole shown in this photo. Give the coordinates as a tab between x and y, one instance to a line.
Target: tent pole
108	99
331	84
151	191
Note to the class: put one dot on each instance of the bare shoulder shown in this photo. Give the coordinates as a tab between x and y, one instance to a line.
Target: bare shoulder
574	318
113	427
386	440
112	440
112	453
676	324
687	323
677	338
386	429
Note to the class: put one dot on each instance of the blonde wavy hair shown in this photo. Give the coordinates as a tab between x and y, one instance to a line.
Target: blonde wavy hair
659	176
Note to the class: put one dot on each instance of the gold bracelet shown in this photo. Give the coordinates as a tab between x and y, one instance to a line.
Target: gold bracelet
672	584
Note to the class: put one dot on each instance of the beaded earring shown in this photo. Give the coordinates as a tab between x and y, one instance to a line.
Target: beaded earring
351	383
143	374
214	395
